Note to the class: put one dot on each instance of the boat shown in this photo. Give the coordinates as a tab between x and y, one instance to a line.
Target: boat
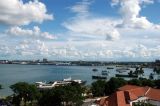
129	76
104	72
121	70
50	85
94	69
110	68
44	85
70	80
40	83
98	77
67	79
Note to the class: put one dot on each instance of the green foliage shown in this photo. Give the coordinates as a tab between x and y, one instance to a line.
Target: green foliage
113	84
157	83
24	90
142	82
142	104
147	82
151	76
139	71
135	82
50	97
98	88
156	70
101	87
63	95
130	73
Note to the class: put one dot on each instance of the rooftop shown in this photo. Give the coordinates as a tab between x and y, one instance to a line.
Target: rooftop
129	93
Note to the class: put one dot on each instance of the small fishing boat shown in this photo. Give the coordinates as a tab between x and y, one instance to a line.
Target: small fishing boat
94	69
98	77
110	68
104	72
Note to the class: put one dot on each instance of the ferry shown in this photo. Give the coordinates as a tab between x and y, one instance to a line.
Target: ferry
44	85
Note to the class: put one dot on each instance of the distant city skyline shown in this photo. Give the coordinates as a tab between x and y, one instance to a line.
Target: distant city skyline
91	30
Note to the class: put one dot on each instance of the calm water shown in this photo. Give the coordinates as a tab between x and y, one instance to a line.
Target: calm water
10	74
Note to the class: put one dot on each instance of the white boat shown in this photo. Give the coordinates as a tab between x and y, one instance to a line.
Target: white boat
37	83
68	79
52	85
44	85
123	69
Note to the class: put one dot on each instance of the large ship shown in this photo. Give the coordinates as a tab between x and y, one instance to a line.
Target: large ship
44	85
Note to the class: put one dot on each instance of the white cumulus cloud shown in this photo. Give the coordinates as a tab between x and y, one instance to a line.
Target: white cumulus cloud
130	11
15	12
83	24
28	33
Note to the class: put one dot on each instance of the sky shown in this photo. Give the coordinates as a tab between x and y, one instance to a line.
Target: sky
90	30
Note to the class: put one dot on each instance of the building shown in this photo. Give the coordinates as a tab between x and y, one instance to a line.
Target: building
45	60
128	94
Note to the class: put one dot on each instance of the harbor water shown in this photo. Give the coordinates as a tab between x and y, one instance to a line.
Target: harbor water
12	73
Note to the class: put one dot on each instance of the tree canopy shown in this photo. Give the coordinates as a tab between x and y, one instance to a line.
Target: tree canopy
101	87
68	95
113	84
98	88
24	91
156	70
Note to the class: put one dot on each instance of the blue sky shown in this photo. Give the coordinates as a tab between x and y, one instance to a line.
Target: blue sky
96	30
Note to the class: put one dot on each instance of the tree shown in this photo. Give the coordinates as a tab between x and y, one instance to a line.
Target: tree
67	95
151	76
157	83
156	70
137	68
24	91
139	71
0	86
147	82
50	98
113	84
135	82
98	88
130	73
72	94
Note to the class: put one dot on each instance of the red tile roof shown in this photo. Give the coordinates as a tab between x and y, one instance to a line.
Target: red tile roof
128	87
130	93
134	92
153	94
116	99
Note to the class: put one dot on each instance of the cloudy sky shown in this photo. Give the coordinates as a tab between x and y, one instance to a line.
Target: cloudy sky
107	30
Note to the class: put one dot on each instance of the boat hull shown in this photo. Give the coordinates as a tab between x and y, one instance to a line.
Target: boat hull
99	77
